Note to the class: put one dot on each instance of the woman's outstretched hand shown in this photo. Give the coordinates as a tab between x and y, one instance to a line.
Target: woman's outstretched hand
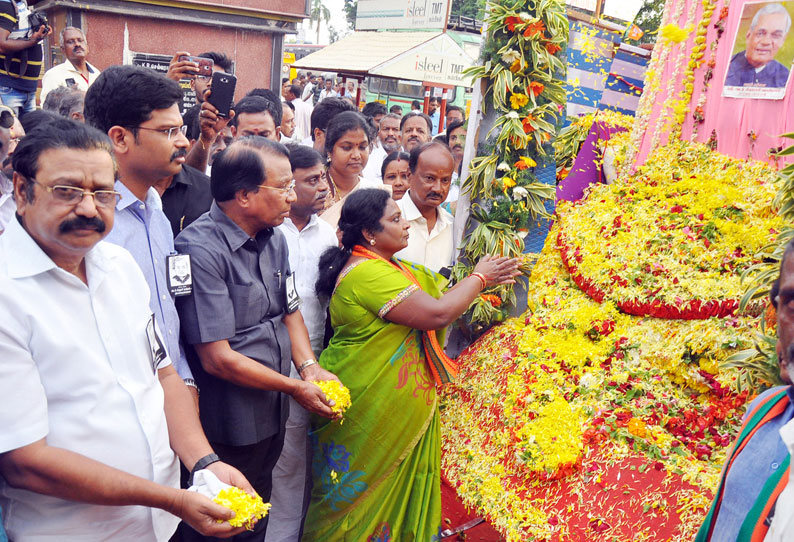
498	270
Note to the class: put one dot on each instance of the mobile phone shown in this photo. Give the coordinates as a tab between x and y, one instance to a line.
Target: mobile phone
222	95
205	65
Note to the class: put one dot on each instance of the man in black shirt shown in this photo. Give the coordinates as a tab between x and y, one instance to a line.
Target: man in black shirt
243	321
186	196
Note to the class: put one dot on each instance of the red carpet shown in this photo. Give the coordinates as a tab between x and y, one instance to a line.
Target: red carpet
454	513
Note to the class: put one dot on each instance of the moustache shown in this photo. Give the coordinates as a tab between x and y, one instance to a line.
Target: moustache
434	195
82	223
180	153
457	148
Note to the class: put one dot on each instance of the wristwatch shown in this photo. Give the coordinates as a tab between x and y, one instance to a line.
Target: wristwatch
202	463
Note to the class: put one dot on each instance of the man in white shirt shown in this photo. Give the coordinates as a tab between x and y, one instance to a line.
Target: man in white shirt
287	124
389	142
307	238
76	70
415	129
303	111
90	404
328	91
430	242
7	205
308	89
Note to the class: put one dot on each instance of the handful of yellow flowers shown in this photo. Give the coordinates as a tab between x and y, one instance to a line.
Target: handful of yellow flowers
336	392
247	509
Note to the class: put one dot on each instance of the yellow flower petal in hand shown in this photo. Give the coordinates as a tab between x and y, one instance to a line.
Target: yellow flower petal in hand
335	392
247	509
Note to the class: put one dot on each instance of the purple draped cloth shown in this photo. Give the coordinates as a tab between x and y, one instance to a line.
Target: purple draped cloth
586	168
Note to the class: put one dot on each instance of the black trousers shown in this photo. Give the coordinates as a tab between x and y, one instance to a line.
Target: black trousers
256	462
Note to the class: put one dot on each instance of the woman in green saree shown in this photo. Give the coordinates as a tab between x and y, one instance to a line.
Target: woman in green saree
377	473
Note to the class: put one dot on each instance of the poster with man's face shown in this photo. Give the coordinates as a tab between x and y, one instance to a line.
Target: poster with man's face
763	51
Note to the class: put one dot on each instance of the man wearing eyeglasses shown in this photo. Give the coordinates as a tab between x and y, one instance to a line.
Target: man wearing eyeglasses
756	65
138	109
91	408
243	324
199	84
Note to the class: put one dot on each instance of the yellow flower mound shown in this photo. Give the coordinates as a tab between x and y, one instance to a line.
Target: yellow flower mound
335	392
683	228
554	438
247	509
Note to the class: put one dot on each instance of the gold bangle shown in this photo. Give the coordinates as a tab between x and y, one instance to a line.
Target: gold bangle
481	277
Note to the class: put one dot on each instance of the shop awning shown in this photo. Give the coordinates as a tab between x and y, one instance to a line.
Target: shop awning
430	57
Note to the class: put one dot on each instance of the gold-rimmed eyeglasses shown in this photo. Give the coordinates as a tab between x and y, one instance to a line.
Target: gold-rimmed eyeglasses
283	190
72	195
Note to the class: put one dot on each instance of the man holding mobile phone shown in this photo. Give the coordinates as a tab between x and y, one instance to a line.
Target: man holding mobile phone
76	71
198	82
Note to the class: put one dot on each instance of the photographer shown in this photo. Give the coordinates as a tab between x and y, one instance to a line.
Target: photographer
21	32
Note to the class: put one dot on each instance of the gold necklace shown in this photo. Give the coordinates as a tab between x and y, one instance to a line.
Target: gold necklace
337	194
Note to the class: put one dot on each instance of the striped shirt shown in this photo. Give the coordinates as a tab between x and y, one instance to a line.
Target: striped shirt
28	81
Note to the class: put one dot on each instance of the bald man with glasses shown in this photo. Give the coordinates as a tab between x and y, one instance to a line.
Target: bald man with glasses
242	325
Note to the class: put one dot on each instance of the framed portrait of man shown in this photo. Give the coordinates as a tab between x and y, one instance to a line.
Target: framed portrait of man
763	52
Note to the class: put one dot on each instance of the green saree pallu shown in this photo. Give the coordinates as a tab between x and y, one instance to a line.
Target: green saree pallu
377	472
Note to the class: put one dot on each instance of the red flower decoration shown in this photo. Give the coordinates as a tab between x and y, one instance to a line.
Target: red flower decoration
528	128
511	23
534	30
553	48
536	88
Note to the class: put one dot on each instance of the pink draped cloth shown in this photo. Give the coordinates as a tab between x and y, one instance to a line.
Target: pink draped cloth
732	118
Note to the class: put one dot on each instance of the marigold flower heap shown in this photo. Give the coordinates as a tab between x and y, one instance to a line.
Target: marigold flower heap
697	217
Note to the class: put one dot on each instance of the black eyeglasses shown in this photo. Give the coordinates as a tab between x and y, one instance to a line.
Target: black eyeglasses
72	195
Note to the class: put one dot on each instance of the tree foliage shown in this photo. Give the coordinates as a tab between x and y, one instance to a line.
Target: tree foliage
469	8
320	13
649	19
350	13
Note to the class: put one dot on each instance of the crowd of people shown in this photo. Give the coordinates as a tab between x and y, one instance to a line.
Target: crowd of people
174	284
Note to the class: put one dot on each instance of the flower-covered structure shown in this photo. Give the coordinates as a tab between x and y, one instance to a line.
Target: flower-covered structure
605	410
582	420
